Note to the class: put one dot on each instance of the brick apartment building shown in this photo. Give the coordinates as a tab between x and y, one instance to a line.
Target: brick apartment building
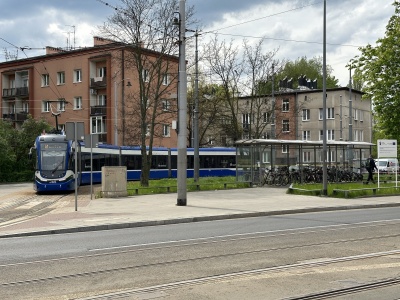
98	86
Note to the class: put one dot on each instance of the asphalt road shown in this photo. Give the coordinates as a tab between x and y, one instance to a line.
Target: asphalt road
272	257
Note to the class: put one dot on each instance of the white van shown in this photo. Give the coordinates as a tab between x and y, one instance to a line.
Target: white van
387	165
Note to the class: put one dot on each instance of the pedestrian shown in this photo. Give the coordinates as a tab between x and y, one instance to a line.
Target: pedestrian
370	166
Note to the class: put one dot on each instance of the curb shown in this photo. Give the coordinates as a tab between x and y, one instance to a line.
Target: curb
193	219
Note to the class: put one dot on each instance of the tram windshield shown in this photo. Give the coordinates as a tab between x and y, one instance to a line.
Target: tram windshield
53	156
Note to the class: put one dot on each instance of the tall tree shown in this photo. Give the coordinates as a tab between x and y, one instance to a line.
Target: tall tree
258	67
223	61
147	26
209	97
311	68
379	69
7	154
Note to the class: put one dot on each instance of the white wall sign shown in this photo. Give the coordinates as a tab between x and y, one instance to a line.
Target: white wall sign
387	148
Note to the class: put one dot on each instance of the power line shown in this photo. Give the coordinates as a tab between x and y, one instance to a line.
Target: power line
285	40
276	14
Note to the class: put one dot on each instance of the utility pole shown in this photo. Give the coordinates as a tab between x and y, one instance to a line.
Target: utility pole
196	114
182	109
350	122
324	154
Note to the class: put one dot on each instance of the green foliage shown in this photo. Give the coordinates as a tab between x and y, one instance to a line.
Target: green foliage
7	155
15	144
354	189
379	69
170	185
312	68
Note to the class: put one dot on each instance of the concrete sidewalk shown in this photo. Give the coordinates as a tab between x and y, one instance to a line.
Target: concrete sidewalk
136	211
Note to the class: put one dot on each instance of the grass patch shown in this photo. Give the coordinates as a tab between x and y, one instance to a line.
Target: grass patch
348	190
169	185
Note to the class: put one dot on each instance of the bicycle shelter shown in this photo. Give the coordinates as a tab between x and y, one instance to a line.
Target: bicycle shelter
255	156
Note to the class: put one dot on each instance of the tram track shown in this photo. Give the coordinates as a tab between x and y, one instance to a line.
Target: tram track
350	290
158	267
26	207
102	256
215	279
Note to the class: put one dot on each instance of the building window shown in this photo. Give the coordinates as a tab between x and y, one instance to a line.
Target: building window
285	148
306	135
77	102
12	109
98	124
166	131
246	120
356	114
78	75
61	105
266	117
306	156
148	130
330	135
45	80
210	140
306	114
25	107
145	75
165	79
101	100
224	140
285	105
60	78
266	135
285	125
266	157
102	72
166	105
45	106
330	114
355	135
361	115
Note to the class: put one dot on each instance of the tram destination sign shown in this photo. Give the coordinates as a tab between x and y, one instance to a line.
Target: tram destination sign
387	148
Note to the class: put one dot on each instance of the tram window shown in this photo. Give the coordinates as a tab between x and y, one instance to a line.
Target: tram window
190	162
132	162
162	162
174	162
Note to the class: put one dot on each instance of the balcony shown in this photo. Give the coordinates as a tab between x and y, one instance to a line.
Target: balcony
98	110
16	117
98	82
16	92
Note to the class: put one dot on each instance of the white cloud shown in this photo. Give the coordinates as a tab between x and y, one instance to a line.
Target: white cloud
42	23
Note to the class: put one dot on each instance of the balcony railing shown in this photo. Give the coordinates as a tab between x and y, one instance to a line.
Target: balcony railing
16	117
98	110
98	82
16	92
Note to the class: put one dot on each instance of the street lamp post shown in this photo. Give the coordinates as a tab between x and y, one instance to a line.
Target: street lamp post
116	108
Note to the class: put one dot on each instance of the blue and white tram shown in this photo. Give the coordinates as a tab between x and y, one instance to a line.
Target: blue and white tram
55	164
214	162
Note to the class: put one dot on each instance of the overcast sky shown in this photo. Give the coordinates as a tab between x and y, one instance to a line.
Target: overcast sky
295	27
